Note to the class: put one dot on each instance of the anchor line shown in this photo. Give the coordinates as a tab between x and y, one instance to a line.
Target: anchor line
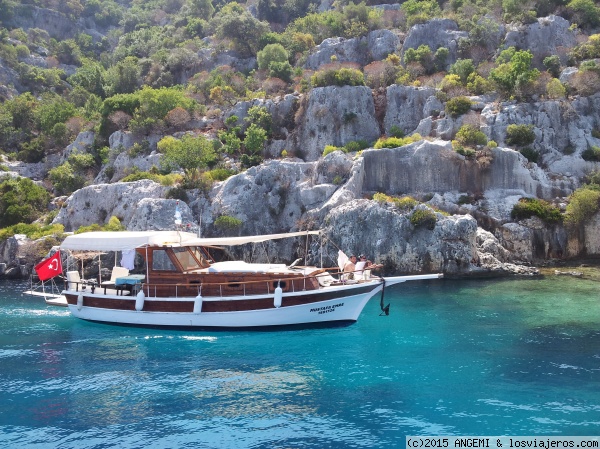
384	309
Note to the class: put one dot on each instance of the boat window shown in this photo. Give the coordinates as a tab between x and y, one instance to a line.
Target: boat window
161	261
186	259
201	256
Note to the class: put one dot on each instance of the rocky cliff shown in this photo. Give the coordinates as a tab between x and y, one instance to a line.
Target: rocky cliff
470	198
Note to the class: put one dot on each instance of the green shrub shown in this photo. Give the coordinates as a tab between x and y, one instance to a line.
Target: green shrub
514	73
592	154
355	146
114	224
330	149
465	199
519	135
227	223
463	68
65	179
555	89
467	152
469	135
139	175
220	174
583	204
21	201
404	202
338	77
457	106
552	64
381	197
529	207
34	230
396	142
396	131
261	117
530	154
282	70
271	53
423	218
177	193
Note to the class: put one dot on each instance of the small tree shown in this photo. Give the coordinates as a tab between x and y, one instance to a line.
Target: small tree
458	106
586	12
583	204
65	179
555	89
21	201
463	68
519	135
191	154
552	64
469	135
514	72
271	53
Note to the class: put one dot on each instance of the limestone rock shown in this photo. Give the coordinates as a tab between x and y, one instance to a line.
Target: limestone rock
563	130
55	23
435	33
375	46
267	198
407	106
123	165
82	144
9	82
157	214
334	116
282	110
97	203
435	167
18	254
387	236
546	37
591	235
121	139
567	75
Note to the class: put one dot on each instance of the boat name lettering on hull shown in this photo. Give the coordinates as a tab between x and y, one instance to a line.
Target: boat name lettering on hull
327	309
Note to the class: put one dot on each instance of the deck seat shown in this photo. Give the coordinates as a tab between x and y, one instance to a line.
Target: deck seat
74	280
117	272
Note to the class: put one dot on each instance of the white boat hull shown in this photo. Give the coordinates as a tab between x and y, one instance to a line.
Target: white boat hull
331	304
340	309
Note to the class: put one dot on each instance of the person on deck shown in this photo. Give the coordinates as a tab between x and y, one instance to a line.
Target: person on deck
350	266
363	264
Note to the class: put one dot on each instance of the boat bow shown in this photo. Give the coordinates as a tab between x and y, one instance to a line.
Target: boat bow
392	280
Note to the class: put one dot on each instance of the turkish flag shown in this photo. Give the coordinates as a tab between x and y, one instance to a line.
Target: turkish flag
50	267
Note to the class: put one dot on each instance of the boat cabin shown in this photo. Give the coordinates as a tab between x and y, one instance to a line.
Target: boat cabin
190	270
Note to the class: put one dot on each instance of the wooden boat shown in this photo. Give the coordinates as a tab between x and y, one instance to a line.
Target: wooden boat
182	287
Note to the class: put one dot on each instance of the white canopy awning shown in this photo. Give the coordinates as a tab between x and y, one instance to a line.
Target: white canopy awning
232	241
124	240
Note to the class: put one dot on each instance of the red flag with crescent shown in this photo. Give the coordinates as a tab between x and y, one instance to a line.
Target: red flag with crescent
49	267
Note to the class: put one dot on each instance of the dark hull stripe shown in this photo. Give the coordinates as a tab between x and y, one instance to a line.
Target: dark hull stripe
225	305
275	327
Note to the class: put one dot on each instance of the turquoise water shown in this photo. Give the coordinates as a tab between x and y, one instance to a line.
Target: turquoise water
510	357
